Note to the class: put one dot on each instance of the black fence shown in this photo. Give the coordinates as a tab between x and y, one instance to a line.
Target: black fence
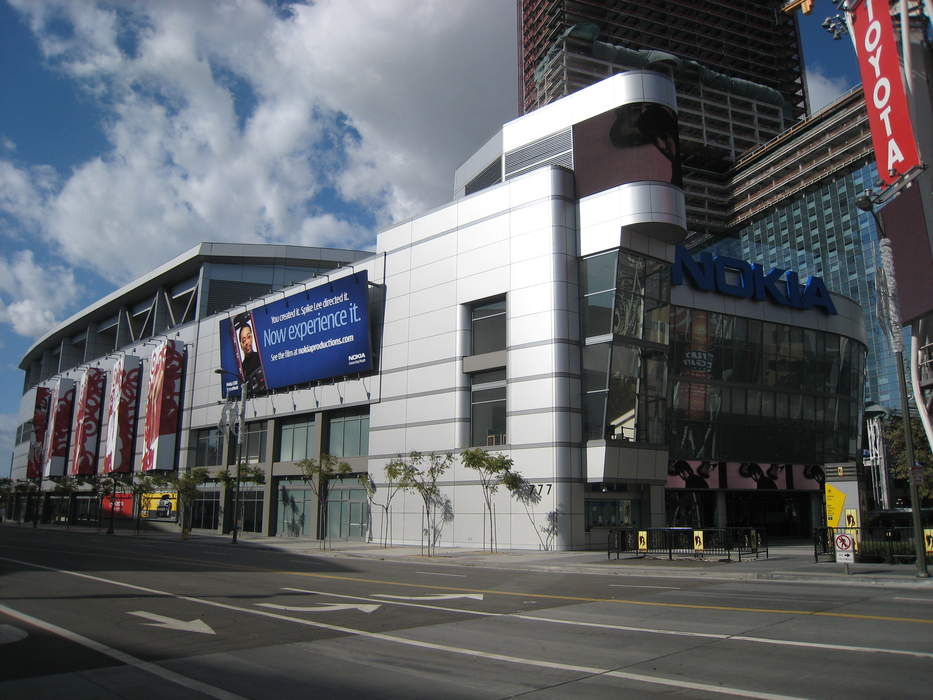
872	544
721	543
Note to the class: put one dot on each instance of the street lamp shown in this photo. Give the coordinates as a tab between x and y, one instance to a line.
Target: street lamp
239	448
866	203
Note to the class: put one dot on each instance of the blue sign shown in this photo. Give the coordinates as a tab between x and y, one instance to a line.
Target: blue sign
750	281
317	334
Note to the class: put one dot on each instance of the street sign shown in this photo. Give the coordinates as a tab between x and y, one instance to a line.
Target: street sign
916	475
845	548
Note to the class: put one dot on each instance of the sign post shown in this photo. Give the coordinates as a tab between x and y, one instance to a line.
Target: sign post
845	549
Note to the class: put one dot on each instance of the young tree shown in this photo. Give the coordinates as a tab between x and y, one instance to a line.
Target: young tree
492	469
186	485
894	439
248	473
529	495
141	484
419	473
318	474
7	489
65	487
392	487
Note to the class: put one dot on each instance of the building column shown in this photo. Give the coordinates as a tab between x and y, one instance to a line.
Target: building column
722	516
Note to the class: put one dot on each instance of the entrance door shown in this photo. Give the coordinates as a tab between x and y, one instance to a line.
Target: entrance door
297	513
347	514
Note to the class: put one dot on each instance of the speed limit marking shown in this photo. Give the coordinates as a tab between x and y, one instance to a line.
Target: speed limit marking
845	548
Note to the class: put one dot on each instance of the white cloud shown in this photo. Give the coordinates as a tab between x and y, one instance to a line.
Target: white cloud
229	121
32	295
7	144
823	89
8	424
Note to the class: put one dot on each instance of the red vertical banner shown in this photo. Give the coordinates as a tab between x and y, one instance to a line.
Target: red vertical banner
89	404
55	450
162	406
885	99
40	422
121	414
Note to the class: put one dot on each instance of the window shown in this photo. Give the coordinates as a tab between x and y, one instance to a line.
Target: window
348	434
488	323
297	439
254	444
209	447
487	416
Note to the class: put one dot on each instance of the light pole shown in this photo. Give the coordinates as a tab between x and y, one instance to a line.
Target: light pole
866	203
241	422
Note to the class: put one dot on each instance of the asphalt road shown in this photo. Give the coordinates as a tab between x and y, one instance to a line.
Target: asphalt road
91	616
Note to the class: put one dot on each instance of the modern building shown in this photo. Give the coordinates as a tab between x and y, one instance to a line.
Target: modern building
549	314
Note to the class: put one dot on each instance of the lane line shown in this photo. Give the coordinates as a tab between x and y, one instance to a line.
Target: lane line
632	585
393	639
629	628
917	600
435	573
588	599
122	656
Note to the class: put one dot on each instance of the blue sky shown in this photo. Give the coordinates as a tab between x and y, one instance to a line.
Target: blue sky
132	130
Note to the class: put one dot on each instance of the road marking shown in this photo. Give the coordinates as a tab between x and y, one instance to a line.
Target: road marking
631	585
629	628
320	608
917	600
170	623
433	596
435	573
121	656
10	634
617	601
393	639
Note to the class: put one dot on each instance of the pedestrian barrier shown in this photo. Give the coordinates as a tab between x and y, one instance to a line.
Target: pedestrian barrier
872	544
686	542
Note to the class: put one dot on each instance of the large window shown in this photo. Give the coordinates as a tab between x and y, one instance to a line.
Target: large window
254	444
488	321
209	447
297	439
487	418
348	434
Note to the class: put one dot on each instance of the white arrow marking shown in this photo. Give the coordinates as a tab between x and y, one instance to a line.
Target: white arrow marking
170	623
434	596
321	608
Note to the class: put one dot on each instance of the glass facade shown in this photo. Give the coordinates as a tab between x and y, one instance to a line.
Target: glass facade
820	232
348	434
626	302
297	439
254	444
209	447
750	390
487	404
488	324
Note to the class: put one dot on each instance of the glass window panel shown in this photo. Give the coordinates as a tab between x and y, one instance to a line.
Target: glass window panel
351	437
488	423
335	437
630	276
495	375
628	314
285	448
489	334
598	314
596	367
595	405
495	394
599	273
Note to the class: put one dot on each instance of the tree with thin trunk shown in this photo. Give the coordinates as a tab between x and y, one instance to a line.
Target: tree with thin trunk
419	473
317	474
65	487
392	487
492	468
186	485
529	495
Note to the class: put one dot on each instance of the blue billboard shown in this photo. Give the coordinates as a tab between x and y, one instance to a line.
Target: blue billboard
315	334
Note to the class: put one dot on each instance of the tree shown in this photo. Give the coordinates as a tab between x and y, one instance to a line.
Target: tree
419	473
141	484
492	469
392	487
186	485
248	473
529	495
7	489
894	440
318	474
65	487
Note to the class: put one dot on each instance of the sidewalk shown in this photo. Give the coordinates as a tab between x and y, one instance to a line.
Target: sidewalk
792	562
786	562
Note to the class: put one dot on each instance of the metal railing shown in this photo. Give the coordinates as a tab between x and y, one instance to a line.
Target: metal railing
872	544
687	542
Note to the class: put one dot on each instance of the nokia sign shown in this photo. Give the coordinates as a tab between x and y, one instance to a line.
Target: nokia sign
738	278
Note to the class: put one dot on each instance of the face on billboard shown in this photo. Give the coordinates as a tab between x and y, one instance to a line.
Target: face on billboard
633	143
317	334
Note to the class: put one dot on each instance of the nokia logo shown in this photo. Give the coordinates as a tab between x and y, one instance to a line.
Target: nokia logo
750	281
356	357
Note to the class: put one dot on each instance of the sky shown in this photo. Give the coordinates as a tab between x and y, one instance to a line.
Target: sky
132	130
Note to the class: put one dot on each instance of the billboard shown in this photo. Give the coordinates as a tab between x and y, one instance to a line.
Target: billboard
120	505
40	421
88	413
121	415
316	334
163	406
885	99
55	450
160	505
